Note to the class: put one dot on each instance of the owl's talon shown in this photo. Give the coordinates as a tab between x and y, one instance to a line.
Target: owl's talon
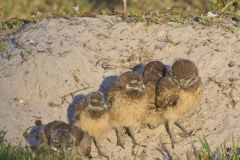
122	145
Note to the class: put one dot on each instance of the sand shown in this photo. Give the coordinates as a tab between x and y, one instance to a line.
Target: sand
52	58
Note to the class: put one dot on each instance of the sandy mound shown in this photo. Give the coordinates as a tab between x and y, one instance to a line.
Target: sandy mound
53	58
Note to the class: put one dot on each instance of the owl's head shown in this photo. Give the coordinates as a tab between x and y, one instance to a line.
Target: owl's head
95	102
60	137
130	82
185	73
153	71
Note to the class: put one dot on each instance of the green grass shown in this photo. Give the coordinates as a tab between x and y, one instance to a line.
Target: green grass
206	152
2	47
10	152
149	11
25	9
15	13
224	153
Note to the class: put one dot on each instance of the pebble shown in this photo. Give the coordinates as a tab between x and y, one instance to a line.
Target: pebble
231	64
19	101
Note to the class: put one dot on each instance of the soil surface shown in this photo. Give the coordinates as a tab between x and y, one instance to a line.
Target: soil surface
47	61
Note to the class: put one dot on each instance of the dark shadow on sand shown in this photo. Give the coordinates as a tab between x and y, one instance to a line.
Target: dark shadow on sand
71	111
139	68
107	83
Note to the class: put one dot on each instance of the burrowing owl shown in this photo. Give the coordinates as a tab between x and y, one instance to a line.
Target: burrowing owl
153	71
128	104
179	93
92	116
60	136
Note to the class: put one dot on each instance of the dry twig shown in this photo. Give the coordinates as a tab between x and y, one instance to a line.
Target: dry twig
72	94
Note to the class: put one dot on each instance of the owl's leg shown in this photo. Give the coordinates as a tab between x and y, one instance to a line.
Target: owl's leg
131	134
120	139
186	133
100	152
167	127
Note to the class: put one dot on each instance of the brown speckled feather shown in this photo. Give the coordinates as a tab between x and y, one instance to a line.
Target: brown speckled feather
67	135
178	94
83	141
96	123
175	101
52	126
153	117
153	71
96	126
128	107
166	94
92	116
127	111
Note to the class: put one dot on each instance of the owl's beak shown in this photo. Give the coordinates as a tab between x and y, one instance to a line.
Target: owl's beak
105	106
140	87
99	108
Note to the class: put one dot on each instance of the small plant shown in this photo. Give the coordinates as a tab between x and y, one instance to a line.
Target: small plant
2	47
26	52
226	153
12	24
43	152
206	152
9	152
202	18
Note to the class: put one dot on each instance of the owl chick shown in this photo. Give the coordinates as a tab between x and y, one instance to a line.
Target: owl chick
128	104
179	93
153	71
61	136
92	116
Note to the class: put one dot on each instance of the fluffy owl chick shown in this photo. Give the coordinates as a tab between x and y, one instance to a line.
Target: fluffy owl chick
61	136
92	116
179	93
128	104
153	71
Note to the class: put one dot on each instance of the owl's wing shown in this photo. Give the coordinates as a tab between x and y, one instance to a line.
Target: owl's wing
51	126
77	133
111	93
79	110
166	93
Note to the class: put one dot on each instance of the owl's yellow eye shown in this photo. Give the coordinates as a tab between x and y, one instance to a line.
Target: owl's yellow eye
96	103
